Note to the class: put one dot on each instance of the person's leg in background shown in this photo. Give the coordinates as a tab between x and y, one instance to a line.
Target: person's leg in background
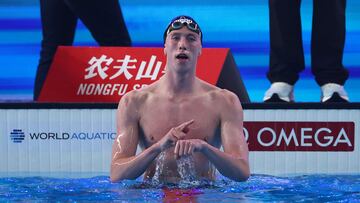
58	28
327	48
286	50
104	20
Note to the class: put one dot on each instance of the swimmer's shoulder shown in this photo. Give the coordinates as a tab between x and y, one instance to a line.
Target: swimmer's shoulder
138	97
219	95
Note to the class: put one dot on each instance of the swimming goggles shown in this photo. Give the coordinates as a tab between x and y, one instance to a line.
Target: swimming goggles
179	23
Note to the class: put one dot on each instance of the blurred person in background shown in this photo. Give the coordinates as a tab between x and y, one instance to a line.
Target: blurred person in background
287	54
59	18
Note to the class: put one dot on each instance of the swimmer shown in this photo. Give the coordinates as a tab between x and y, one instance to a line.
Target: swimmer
180	116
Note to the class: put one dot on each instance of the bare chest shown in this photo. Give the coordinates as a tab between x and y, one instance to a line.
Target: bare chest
158	117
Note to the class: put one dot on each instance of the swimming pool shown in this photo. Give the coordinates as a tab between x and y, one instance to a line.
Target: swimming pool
259	188
74	140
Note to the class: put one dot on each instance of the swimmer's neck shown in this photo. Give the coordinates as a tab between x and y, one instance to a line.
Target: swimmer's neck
179	83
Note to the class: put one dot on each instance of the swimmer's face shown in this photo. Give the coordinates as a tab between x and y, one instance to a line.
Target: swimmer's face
182	48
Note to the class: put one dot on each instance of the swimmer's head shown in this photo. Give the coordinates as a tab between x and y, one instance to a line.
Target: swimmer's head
181	21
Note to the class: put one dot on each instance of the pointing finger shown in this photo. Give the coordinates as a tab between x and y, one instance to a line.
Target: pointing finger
184	127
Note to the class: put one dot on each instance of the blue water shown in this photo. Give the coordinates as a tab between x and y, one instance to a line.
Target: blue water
242	25
259	188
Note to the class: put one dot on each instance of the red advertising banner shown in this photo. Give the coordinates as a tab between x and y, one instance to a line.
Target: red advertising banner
104	74
300	136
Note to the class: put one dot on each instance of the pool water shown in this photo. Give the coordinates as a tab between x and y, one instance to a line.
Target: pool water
259	188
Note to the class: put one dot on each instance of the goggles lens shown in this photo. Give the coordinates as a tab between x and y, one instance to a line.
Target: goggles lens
178	24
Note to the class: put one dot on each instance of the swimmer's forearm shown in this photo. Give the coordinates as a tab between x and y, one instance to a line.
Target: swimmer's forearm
232	167
133	167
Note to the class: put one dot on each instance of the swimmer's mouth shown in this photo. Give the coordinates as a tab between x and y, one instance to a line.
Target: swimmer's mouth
182	56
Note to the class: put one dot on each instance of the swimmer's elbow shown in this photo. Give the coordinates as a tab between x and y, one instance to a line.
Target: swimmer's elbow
119	176
245	176
113	179
241	177
114	174
244	172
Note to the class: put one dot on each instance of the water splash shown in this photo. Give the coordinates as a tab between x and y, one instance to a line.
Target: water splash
159	168
186	169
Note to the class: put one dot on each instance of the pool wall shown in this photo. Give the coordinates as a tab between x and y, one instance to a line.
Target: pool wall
78	138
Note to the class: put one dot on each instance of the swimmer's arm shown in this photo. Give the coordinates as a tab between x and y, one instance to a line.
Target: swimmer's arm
134	166
233	162
124	162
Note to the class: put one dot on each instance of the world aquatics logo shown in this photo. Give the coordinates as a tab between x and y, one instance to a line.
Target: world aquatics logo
17	135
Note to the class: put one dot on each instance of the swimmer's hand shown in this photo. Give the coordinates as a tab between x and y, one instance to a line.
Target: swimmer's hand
175	134
188	147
